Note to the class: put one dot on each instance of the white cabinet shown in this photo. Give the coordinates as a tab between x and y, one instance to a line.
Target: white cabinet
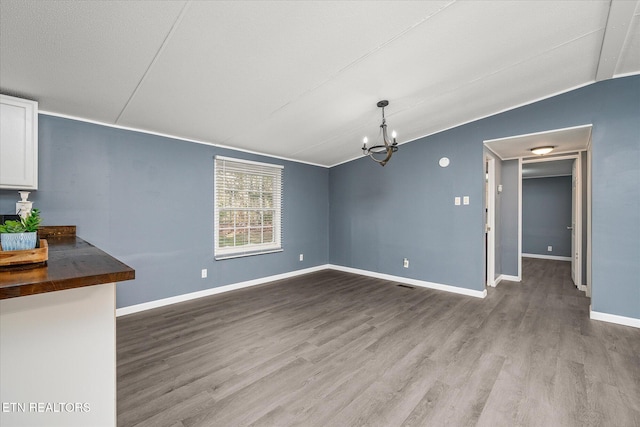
18	143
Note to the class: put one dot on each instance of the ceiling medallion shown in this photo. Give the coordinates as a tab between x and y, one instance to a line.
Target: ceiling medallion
383	152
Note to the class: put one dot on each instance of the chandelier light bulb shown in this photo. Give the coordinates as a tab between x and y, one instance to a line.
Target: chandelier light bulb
365	140
394	134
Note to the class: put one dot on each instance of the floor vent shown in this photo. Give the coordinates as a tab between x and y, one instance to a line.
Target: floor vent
406	286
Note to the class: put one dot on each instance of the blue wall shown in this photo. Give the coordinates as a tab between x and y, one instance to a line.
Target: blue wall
148	201
380	215
546	214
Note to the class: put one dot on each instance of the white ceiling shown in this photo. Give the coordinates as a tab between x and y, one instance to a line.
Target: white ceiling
562	140
301	80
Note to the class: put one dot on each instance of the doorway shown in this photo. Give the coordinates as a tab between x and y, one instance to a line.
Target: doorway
510	154
557	168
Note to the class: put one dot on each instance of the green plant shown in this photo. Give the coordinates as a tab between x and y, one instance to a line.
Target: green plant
10	226
32	221
25	225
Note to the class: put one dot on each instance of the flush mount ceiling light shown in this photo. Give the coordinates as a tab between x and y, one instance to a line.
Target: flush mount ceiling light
383	152
541	151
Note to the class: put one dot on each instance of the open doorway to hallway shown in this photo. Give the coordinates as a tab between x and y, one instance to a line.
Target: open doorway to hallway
552	205
514	153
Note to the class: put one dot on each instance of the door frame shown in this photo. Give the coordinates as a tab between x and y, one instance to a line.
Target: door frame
490	224
578	256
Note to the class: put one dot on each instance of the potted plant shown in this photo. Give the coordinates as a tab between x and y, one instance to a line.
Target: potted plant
20	235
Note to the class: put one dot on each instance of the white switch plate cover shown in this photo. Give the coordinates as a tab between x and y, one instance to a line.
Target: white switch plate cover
465	200
549	248
301	257
405	263
456	201
204	273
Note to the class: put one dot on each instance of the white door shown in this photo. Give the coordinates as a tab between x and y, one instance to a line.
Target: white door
572	227
490	203
576	224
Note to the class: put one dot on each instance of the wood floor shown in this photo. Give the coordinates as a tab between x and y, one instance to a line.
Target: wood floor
337	349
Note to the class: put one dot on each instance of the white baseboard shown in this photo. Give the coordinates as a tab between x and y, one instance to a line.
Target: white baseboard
613	318
502	277
414	282
123	311
553	257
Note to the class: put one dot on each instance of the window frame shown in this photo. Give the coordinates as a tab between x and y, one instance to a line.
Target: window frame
247	167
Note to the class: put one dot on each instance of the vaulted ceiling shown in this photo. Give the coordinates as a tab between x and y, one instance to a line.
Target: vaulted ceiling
300	79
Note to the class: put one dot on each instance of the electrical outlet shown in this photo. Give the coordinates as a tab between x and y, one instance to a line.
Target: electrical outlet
549	248
204	273
405	263
301	257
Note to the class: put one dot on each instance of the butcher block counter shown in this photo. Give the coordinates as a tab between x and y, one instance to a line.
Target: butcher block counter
73	263
57	335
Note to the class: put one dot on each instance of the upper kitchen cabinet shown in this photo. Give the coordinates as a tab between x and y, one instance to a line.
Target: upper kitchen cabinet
18	143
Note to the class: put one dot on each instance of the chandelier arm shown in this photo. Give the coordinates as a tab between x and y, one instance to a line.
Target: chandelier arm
383	161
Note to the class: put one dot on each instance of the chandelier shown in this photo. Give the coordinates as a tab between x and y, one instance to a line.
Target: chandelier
383	152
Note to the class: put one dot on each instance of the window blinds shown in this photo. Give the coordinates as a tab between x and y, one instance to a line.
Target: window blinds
248	208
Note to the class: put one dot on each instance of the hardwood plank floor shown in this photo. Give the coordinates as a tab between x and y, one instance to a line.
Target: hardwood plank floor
337	349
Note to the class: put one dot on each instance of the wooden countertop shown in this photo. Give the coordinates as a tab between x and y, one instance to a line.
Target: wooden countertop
73	263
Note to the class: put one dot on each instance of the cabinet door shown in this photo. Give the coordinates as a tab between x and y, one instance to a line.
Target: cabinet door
18	143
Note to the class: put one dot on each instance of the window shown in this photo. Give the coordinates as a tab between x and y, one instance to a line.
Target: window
248	198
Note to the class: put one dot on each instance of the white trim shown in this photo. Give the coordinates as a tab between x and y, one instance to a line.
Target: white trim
414	282
589	248
519	219
577	227
248	162
545	176
614	318
490	192
630	73
545	132
246	254
544	158
553	257
123	311
507	277
179	138
577	157
572	155
542	133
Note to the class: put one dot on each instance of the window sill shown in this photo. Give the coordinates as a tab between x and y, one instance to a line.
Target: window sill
222	257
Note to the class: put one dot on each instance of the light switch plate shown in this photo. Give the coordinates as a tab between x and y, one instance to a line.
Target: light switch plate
465	200
457	201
